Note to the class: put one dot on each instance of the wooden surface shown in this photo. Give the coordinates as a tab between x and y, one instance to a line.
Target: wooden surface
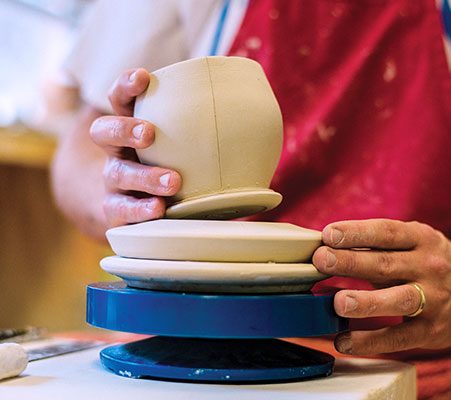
24	147
44	262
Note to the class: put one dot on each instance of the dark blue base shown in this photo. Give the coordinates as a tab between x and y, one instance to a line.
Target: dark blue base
217	316
237	361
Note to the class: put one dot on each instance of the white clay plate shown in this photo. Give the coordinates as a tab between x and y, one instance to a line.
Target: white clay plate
215	241
189	276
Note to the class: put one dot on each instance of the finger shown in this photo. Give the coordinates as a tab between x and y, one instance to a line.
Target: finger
128	175
408	335
130	84
372	233
111	132
121	209
394	301
374	265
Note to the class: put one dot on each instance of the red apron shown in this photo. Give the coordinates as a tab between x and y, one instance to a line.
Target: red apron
365	93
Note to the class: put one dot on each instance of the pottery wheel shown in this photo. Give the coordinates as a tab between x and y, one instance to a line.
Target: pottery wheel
214	256
118	307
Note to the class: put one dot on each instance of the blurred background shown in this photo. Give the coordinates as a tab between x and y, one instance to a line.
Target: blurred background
45	263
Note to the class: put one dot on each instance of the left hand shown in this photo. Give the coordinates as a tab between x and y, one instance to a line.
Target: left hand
390	254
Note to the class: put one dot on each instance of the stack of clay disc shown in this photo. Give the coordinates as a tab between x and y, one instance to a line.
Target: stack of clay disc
214	256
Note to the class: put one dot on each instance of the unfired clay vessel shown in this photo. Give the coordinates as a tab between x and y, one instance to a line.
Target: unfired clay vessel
219	125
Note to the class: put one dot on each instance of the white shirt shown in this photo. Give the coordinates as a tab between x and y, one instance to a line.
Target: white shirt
119	35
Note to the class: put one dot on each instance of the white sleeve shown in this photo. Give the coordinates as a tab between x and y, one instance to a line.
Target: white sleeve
124	34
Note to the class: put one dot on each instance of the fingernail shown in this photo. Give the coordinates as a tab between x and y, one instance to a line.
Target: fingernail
344	344
164	179
336	236
331	259
350	304
132	77
138	131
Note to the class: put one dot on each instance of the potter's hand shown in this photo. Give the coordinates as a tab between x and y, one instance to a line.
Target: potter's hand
134	191
390	254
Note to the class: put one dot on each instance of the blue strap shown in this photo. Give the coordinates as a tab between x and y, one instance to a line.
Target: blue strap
219	28
446	13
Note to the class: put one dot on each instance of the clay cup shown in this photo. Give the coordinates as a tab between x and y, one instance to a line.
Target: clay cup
217	122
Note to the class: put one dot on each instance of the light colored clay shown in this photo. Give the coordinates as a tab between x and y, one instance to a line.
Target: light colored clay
229	277
228	205
224	241
13	360
219	125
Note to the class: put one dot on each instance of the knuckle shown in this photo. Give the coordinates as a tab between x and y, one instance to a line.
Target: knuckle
372	306
134	212
143	177
115	173
112	92
438	265
384	265
121	209
116	130
348	263
390	229
415	225
421	231
437	330
423	228
442	297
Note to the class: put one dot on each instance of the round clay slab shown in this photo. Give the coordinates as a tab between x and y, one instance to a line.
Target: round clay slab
230	205
193	276
215	241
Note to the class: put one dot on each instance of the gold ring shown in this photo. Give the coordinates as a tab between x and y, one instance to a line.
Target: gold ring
422	300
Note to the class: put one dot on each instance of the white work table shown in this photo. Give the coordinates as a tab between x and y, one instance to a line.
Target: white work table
80	376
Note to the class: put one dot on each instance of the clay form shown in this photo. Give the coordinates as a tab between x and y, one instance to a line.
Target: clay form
13	360
223	241
226	205
191	276
219	125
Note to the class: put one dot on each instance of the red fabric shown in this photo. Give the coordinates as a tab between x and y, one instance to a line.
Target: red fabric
364	89
365	93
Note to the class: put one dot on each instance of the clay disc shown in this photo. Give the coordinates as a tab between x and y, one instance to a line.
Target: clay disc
229	205
215	241
193	276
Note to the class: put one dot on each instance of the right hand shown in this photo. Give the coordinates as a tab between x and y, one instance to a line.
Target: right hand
134	192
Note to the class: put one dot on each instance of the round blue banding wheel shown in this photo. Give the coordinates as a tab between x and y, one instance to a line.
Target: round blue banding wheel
115	306
216	360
